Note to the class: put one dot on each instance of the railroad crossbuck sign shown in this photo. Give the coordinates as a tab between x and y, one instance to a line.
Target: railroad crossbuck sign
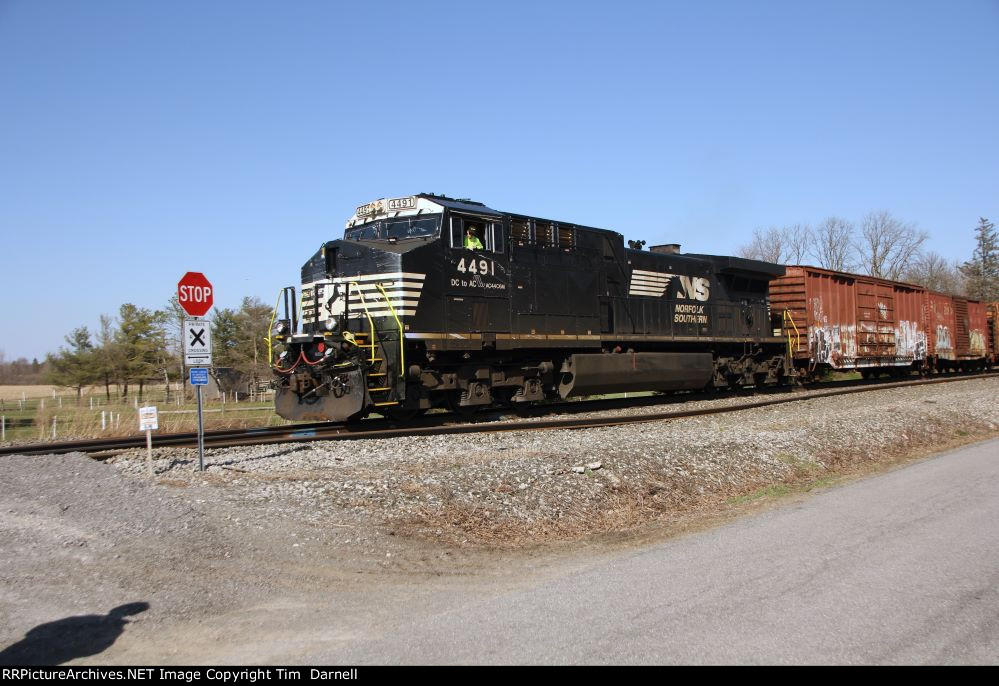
197	343
194	292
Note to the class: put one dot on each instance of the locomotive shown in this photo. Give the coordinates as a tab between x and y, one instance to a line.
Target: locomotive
433	301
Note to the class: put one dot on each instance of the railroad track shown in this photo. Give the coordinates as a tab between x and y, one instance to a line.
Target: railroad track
485	422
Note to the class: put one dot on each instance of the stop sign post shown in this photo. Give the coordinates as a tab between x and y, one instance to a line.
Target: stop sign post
194	293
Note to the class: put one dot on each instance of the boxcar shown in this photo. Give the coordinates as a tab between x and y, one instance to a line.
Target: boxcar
834	320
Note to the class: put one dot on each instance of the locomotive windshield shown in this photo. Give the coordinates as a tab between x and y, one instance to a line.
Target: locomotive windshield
399	228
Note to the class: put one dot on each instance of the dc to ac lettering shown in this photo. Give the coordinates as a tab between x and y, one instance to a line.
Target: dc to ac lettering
456	283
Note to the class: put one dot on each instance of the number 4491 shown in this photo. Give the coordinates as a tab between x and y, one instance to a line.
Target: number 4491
487	267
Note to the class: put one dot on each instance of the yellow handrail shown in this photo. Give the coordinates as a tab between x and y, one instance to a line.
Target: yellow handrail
797	334
270	331
402	336
371	322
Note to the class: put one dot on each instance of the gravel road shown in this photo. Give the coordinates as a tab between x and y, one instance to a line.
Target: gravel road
262	531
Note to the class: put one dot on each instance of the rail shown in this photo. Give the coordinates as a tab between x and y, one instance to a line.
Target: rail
445	424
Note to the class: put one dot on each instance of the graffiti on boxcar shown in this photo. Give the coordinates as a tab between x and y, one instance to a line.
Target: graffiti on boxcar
977	342
945	346
910	341
832	345
883	311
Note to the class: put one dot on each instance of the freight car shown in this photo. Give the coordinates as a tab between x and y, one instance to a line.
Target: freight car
839	321
432	301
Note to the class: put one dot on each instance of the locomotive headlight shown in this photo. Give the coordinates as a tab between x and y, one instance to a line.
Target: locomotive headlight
281	328
330	324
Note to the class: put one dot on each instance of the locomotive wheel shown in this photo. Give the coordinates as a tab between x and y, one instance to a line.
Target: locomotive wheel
505	398
399	414
520	409
454	404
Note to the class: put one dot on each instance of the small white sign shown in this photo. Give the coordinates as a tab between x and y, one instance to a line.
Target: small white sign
148	419
197	343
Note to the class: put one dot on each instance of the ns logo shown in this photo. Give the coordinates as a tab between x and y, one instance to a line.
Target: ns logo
694	288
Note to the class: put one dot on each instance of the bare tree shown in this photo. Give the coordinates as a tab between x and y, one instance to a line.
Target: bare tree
932	271
767	245
887	246
798	239
781	245
832	244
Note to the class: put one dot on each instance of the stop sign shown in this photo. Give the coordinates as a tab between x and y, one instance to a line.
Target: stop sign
194	292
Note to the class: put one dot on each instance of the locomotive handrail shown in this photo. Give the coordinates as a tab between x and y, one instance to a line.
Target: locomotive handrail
371	322
402	336
270	330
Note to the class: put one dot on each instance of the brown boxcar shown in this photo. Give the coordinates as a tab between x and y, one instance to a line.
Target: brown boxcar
972	331
959	333
849	321
941	328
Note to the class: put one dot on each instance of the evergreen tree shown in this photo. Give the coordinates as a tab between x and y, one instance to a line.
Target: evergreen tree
254	319
141	343
76	366
226	338
981	272
238	343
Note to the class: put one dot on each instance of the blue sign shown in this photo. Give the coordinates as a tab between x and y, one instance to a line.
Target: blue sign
199	376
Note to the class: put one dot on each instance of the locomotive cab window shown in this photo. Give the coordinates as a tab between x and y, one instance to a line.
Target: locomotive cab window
472	233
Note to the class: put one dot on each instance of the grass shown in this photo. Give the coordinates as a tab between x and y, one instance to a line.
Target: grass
771	491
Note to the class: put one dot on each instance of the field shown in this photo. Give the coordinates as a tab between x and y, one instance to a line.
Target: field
41	412
15	392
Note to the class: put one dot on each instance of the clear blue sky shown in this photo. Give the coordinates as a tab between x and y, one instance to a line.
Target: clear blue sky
143	139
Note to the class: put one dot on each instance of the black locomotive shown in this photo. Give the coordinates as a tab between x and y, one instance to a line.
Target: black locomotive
430	301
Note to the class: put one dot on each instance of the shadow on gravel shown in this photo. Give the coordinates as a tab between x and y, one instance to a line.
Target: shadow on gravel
57	642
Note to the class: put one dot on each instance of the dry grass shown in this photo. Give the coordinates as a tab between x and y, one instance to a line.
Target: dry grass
675	505
40	391
80	418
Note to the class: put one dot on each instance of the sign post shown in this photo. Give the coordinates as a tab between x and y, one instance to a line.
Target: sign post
196	295
148	422
199	378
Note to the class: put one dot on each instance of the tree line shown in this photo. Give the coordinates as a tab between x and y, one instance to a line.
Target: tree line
883	246
142	346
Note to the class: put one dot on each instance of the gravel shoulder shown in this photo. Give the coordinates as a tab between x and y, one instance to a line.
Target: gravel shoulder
234	561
